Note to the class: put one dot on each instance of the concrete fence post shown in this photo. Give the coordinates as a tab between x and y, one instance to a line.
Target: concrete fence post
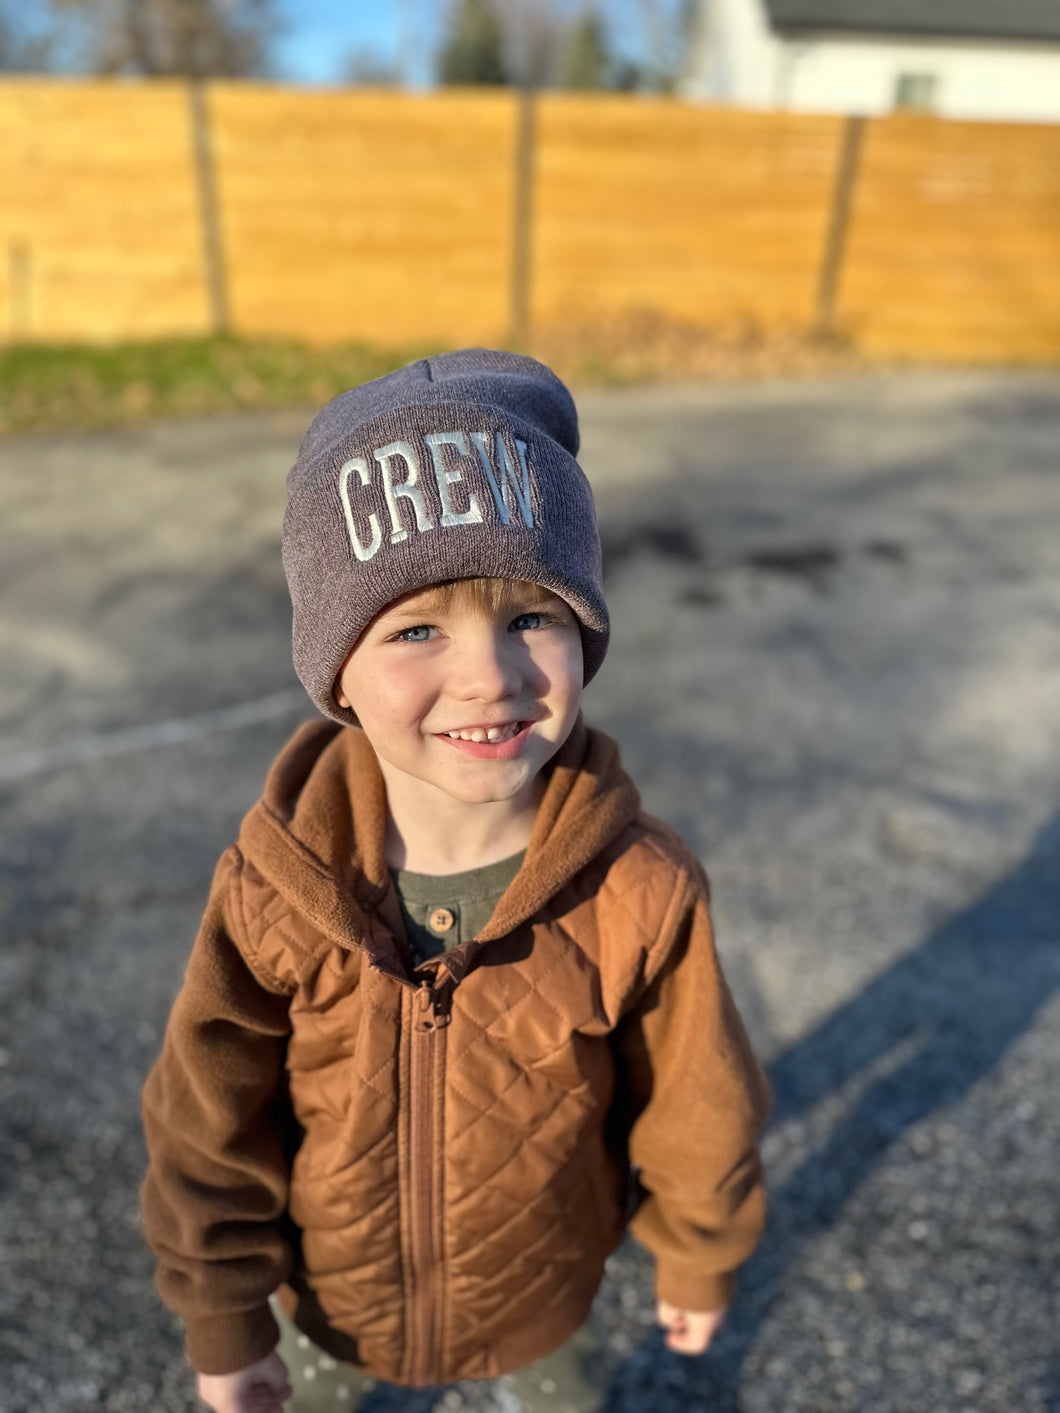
213	257
522	219
835	247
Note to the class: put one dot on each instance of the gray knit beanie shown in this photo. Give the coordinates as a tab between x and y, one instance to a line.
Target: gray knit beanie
455	467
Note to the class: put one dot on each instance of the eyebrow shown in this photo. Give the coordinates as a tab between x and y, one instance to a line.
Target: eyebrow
549	601
434	601
428	604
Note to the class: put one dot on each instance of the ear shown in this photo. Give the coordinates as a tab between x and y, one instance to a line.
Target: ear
336	689
336	686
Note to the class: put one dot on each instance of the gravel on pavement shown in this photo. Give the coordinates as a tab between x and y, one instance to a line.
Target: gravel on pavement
835	668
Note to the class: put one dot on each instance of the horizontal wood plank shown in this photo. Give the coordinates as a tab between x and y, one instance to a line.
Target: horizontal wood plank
387	217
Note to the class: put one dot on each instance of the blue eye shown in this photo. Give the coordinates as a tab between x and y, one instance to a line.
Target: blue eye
419	634
525	622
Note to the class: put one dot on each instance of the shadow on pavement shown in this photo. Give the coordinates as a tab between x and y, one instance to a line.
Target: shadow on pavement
917	1039
1052	1385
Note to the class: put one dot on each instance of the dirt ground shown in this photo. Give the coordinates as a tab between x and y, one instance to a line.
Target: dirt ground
835	668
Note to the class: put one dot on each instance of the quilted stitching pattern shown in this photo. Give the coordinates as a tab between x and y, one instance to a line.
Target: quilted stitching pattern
521	1144
527	1082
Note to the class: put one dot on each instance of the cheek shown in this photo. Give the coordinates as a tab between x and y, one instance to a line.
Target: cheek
559	660
388	696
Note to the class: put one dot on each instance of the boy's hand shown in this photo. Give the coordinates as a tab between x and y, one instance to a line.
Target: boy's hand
261	1388
689	1331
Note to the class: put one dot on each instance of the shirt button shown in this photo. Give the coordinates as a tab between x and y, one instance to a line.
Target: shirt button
441	920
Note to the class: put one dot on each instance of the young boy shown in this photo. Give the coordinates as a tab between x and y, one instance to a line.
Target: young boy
452	986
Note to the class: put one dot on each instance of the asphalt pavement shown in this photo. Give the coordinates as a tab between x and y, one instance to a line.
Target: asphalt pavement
835	668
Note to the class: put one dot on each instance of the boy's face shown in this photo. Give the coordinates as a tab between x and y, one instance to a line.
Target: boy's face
467	699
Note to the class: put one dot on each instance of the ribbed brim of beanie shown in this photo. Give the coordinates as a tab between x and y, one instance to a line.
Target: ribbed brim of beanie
455	467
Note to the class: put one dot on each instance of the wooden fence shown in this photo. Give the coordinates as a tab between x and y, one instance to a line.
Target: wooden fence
136	210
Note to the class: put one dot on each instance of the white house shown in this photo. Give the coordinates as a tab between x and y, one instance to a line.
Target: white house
991	59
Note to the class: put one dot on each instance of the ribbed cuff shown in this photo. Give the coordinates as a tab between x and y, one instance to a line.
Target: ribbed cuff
698	1293
225	1344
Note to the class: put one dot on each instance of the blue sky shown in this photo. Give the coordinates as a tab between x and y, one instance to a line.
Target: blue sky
321	34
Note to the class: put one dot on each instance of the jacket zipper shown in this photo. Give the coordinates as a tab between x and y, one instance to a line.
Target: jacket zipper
428	1017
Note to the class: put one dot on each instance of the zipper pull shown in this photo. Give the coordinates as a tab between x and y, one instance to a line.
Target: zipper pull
431	1007
424	1004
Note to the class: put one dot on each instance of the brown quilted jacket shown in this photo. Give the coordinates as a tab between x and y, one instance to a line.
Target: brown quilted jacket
433	1162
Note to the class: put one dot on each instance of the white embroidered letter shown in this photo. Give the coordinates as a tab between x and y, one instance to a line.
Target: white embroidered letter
524	499
509	476
482	444
362	551
409	487
445	478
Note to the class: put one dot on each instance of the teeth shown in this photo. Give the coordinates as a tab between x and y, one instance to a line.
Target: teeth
493	734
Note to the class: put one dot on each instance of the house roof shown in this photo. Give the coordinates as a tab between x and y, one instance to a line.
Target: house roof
964	19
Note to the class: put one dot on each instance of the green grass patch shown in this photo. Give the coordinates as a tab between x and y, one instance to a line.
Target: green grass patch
74	387
71	387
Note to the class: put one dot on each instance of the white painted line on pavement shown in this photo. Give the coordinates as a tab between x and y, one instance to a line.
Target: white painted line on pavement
159	733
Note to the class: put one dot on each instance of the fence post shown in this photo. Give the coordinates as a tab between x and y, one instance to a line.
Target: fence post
209	213
522	219
839	223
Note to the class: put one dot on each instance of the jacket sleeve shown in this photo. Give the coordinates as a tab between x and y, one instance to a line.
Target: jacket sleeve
698	1100
215	1193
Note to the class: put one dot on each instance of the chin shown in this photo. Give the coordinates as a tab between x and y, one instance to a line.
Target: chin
486	792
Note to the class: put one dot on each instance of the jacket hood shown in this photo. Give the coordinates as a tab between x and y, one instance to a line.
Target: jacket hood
317	835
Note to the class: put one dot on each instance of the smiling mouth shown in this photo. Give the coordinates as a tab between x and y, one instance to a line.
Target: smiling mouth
492	734
502	742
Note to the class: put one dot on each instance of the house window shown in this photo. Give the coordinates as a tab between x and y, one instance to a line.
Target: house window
917	92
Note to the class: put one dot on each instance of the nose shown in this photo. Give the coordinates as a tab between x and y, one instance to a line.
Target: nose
486	666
